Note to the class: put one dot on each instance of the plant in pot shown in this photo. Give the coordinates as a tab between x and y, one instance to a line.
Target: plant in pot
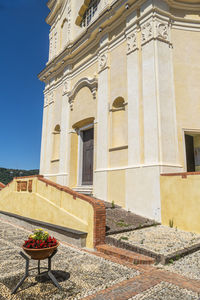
40	244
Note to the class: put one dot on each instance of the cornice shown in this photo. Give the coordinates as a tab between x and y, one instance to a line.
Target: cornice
50	4
192	5
108	18
54	6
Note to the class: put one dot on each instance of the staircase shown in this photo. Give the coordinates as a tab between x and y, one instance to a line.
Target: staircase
128	256
119	220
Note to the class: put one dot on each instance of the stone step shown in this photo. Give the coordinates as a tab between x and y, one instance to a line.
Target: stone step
127	255
85	189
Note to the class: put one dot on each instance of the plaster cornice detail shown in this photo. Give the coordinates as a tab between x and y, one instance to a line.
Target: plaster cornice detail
108	20
54	7
91	83
156	27
193	5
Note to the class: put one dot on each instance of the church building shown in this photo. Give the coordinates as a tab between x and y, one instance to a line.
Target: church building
121	98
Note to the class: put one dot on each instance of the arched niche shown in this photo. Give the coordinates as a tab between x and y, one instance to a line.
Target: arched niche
56	143
90	83
119	123
84	107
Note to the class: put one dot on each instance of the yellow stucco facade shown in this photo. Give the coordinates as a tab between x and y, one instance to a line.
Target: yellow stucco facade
49	204
130	74
180	201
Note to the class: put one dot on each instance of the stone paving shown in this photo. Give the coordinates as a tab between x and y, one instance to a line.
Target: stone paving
166	290
86	275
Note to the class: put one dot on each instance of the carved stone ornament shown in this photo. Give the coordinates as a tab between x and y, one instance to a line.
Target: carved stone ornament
66	87
103	59
71	104
162	31
147	32
131	42
69	19
92	84
51	97
46	100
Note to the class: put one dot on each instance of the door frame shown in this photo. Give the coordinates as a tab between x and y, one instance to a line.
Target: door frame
189	132
80	152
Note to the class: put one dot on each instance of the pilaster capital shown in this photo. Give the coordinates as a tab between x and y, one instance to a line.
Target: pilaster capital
66	86
46	100
51	97
131	39
155	29
103	62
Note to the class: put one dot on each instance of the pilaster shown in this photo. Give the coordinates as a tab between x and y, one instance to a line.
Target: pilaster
63	177
100	176
49	131
133	91
44	135
160	136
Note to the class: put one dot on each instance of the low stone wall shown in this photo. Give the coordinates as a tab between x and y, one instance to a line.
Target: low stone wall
180	200
40	199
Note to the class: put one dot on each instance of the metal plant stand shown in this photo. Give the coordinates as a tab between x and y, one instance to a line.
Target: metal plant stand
49	273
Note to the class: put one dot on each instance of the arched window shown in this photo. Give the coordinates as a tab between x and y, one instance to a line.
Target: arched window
92	8
56	143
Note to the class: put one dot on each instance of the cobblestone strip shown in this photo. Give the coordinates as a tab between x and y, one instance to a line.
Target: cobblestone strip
150	278
126	289
184	282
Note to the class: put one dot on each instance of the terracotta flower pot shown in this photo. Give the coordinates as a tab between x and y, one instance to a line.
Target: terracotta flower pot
40	253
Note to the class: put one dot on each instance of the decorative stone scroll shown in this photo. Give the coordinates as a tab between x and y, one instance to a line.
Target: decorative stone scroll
131	42
51	97
103	60
147	32
162	31
155	29
46	101
69	19
50	46
66	87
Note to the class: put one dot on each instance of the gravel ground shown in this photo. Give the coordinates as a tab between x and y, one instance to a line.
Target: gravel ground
188	266
159	239
166	291
79	273
120	220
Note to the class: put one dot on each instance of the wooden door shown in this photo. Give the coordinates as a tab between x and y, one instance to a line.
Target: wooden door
88	146
189	145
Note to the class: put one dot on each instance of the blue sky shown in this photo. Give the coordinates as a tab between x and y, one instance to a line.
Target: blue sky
23	54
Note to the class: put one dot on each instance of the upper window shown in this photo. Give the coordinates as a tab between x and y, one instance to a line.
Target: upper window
92	8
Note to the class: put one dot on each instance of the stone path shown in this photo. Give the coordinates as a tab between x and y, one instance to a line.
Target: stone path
87	275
